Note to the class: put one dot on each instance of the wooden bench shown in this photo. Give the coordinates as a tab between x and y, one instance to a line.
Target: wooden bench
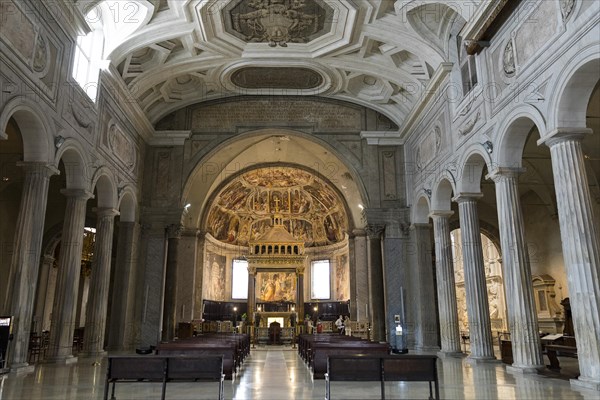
202	350
363	367
324	350
163	369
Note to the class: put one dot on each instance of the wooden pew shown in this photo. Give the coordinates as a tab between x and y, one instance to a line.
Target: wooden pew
163	369
322	351
365	367
227	351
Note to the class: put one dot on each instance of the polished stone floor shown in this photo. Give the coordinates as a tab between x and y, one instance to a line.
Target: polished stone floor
278	373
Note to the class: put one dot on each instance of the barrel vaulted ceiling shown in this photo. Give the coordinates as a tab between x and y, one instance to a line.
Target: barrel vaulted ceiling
377	53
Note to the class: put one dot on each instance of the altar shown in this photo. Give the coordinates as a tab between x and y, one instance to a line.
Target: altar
284	318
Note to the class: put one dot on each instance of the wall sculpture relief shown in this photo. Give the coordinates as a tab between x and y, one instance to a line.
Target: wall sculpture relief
214	276
342	278
311	210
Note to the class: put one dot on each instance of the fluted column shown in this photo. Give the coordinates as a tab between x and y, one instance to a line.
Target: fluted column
522	316
170	301
446	287
377	304
69	269
26	257
96	310
580	248
480	330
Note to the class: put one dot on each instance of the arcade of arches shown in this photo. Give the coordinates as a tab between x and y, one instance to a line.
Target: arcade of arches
441	159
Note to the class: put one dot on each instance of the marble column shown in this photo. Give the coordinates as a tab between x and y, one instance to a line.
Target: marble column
522	316
170	300
97	307
51	290
446	287
251	292
359	275
122	330
580	248
480	331
25	262
376	295
427	333
69	269
300	293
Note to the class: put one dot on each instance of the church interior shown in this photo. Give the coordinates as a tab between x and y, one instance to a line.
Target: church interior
282	183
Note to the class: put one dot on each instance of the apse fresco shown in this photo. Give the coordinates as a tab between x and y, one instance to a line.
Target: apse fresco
276	286
311	209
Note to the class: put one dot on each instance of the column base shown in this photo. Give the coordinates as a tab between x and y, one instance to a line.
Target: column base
482	360
585	383
428	349
451	354
61	360
524	369
21	368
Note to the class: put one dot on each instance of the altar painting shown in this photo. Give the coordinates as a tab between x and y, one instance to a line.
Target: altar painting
276	286
342	277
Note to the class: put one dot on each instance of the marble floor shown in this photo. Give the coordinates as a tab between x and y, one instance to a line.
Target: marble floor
278	373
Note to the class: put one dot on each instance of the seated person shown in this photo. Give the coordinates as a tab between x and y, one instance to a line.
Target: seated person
339	323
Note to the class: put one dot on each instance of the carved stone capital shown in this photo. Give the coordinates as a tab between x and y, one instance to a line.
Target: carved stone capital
174	231
374	231
77	193
564	135
504	173
466	197
32	167
107	212
251	270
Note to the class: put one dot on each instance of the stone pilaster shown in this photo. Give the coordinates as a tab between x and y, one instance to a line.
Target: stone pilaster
426	324
580	248
170	300
42	291
69	269
26	257
446	287
96	310
300	293
376	287
522	316
122	329
186	274
359	276
480	331
394	261
198	295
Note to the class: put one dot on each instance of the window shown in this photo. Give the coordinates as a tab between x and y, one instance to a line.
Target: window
111	22
468	69
88	55
320	280
239	281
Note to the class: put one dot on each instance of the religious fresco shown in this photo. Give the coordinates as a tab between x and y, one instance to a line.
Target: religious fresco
342	277
214	276
312	211
276	286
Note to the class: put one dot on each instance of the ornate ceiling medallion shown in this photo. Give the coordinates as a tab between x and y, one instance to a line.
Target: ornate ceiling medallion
279	22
